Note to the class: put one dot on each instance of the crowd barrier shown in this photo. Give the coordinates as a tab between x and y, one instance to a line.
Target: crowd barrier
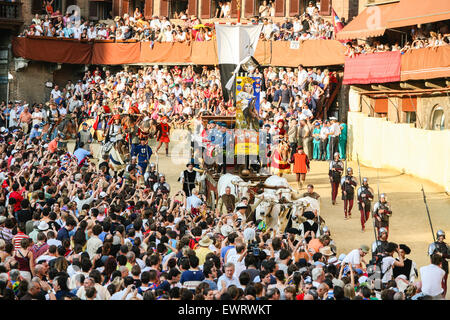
276	53
381	143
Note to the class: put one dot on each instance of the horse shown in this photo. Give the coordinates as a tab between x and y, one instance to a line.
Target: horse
118	153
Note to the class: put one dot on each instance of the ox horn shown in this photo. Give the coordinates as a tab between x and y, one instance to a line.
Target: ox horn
295	196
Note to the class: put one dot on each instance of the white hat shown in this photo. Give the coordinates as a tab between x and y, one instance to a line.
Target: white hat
78	176
316	272
333	260
103	194
116	240
402	282
43	226
338	283
226	229
363	279
249	234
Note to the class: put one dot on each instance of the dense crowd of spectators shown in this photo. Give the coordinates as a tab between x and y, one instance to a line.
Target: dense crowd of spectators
309	25
75	228
431	35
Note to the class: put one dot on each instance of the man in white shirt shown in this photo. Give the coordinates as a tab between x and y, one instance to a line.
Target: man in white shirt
228	278
193	201
56	93
302	77
94	241
237	258
355	257
431	277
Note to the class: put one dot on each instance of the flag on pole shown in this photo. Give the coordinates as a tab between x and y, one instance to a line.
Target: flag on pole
235	45
337	24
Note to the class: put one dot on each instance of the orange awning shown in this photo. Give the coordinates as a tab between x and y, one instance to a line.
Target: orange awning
412	12
371	22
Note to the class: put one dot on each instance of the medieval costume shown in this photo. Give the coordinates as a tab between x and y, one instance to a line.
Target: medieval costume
280	159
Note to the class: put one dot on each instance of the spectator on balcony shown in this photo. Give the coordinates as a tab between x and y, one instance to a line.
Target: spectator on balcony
49	7
272	8
226	10
36	19
68	31
264	9
92	32
310	8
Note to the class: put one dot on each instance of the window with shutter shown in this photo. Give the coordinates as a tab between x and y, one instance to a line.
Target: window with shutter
325	7
93	10
249	8
279	8
148	11
36	7
192	7
206	9
294	7
164	8
234	9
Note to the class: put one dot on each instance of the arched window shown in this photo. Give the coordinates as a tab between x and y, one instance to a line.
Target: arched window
437	118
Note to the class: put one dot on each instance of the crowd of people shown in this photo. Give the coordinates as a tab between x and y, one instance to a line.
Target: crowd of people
309	25
76	227
432	35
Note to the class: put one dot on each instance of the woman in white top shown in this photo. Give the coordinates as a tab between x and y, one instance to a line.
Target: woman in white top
389	263
225	10
264	9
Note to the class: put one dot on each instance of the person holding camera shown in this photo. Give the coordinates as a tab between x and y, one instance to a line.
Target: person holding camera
389	262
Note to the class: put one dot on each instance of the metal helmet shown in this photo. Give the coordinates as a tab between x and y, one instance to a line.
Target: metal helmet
440	233
365	180
382	230
152	165
383	195
336	154
325	229
349	170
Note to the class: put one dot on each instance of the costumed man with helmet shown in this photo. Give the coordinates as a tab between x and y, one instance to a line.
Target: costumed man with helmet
161	184
162	133
365	196
348	184
115	131
327	232
379	246
441	248
335	174
381	213
151	176
188	178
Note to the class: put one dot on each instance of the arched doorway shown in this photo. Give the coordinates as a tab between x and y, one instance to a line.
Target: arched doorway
437	118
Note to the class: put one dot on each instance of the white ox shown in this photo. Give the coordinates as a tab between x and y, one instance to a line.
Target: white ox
239	188
275	213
